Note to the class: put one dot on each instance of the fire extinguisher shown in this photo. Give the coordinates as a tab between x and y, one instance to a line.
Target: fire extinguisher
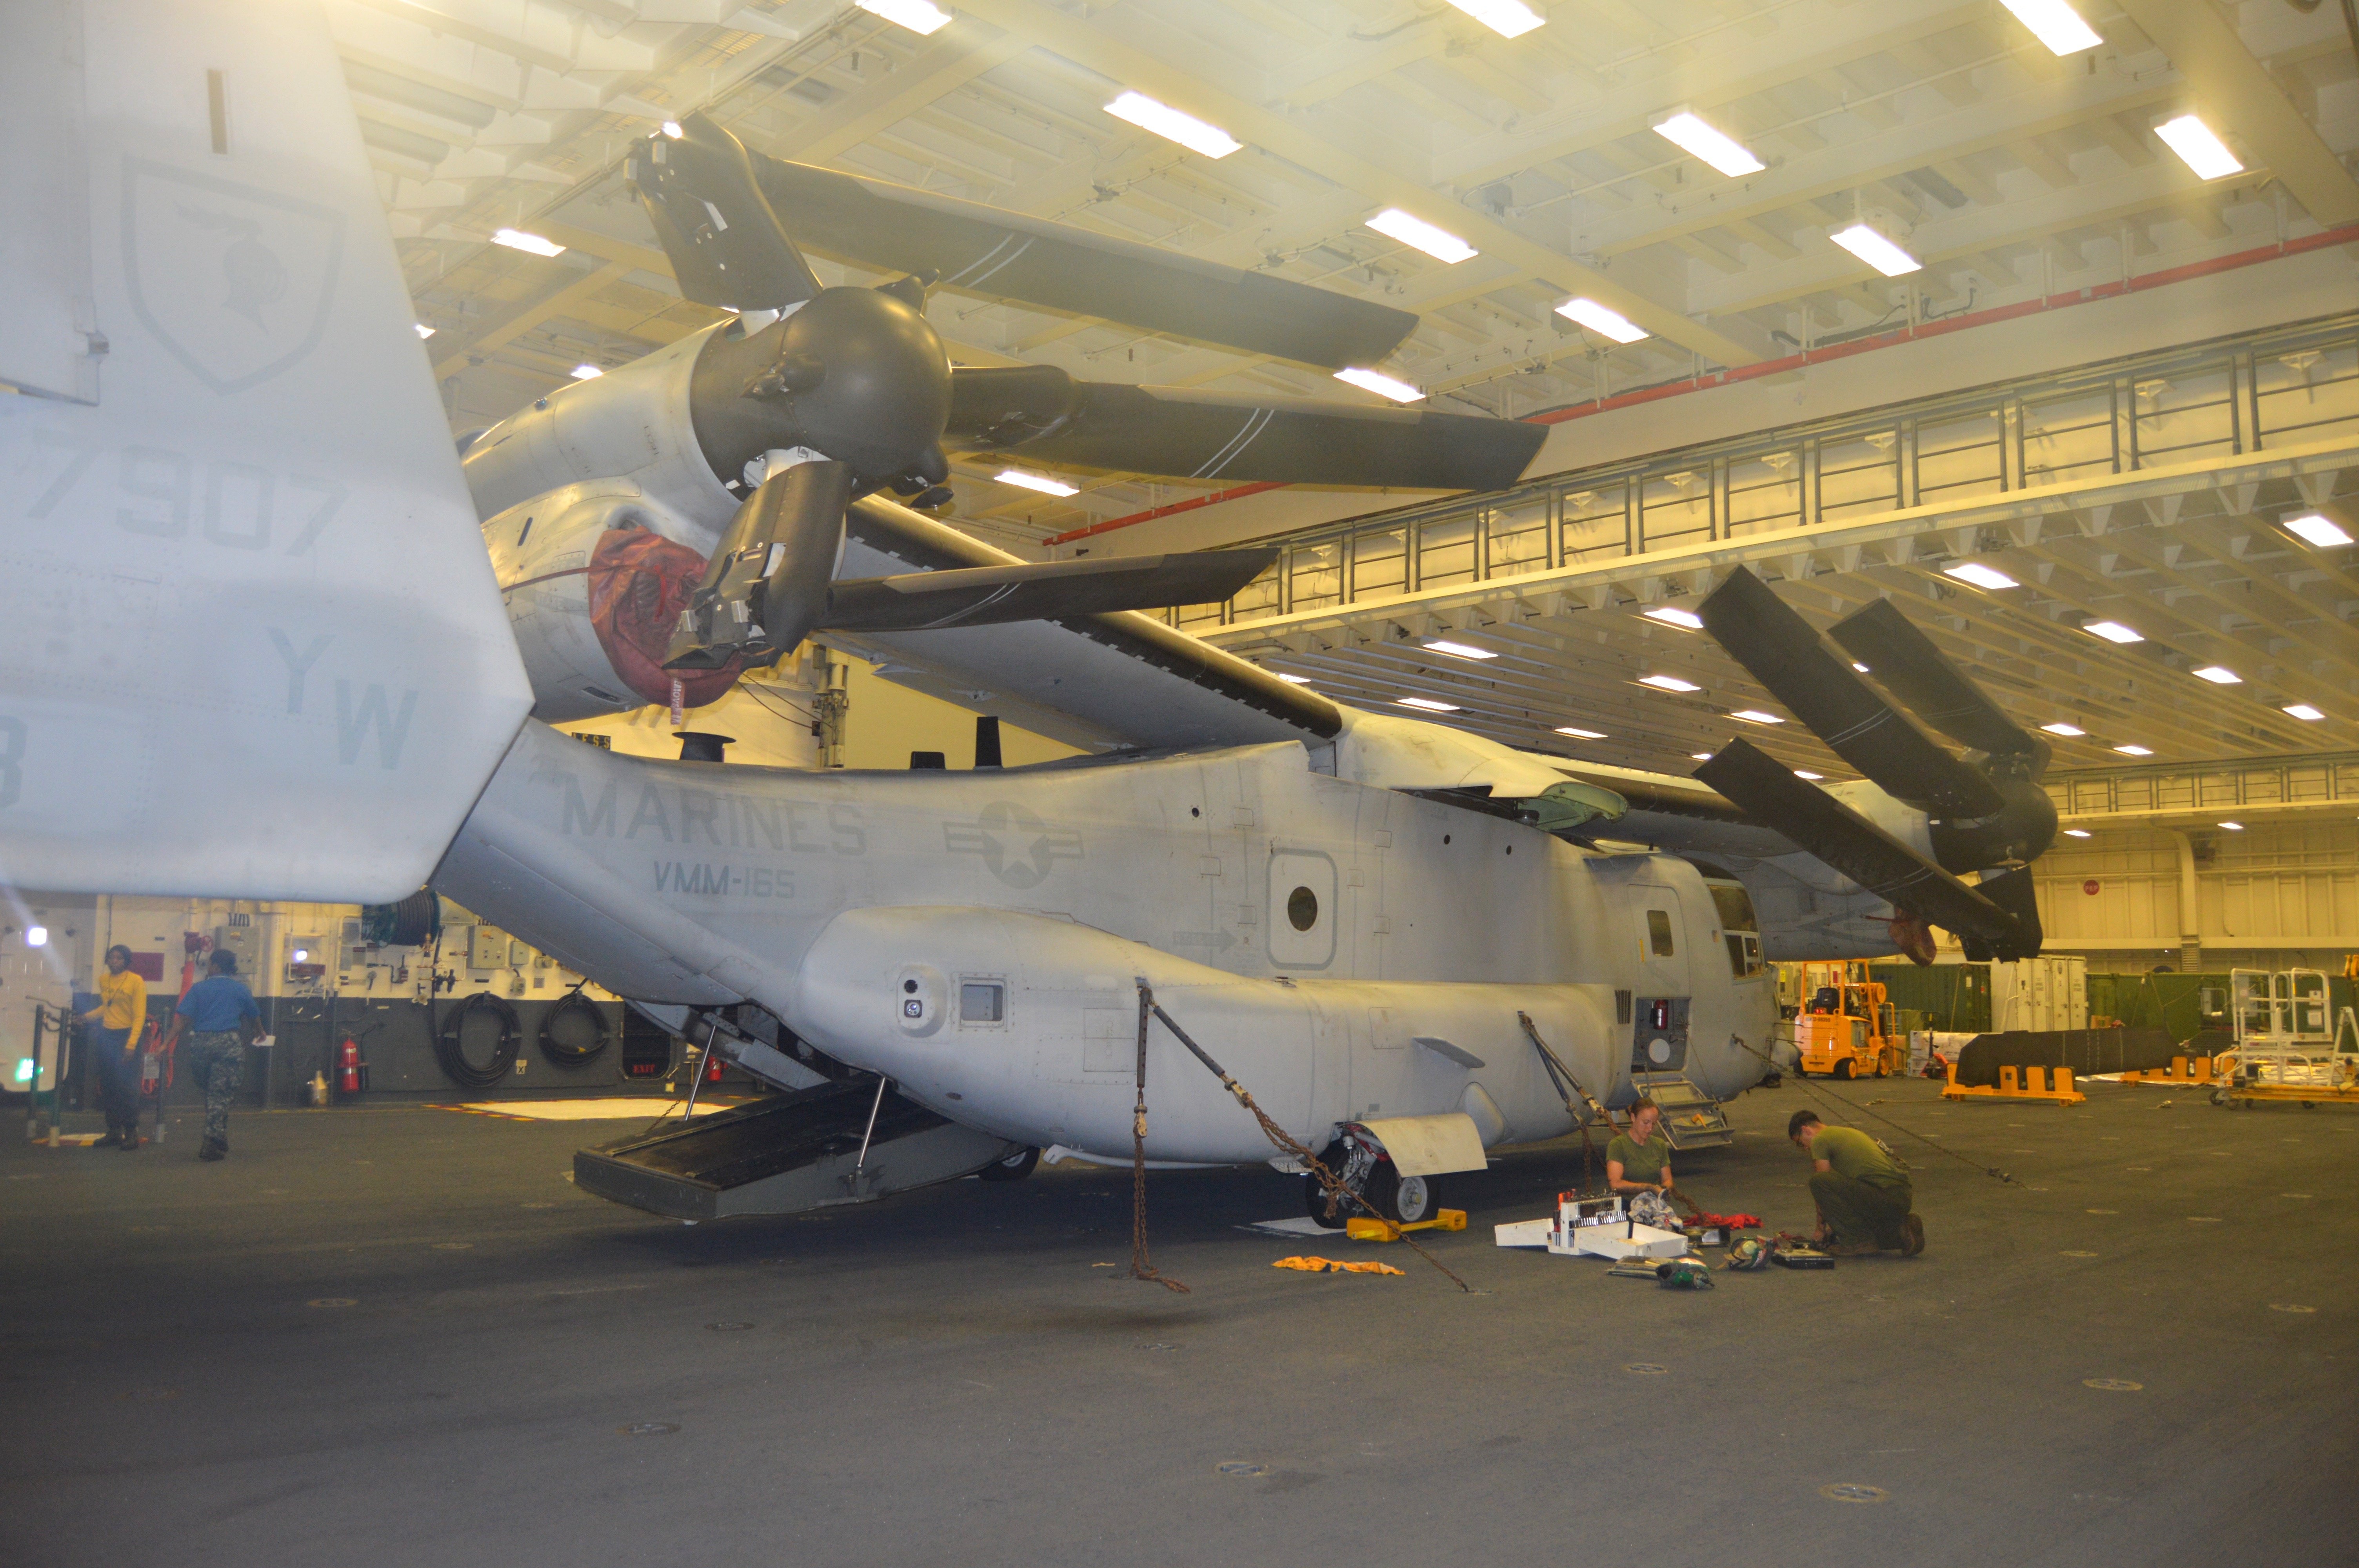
714	1065
348	1067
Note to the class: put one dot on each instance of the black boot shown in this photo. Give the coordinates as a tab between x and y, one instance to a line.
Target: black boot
130	1139
214	1149
112	1139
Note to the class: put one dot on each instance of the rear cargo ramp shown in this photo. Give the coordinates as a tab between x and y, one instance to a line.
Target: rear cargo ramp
786	1154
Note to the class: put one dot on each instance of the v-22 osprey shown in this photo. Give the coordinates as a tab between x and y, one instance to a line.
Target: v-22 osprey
1412	943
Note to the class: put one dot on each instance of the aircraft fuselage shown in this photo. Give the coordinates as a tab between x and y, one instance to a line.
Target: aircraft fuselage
978	935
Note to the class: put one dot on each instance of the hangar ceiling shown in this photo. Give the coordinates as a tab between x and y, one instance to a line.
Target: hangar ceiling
2009	171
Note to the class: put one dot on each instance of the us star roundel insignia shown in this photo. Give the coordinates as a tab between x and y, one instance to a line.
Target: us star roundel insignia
234	280
1017	846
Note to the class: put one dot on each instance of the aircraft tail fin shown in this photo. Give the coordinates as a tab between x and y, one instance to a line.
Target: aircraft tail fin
250	645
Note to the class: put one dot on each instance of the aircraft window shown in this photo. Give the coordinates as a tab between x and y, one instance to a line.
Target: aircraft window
1744	955
1302	909
1659	934
1733	905
981	1004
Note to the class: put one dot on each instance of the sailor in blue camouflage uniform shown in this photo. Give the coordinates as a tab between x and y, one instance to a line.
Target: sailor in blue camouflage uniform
220	1016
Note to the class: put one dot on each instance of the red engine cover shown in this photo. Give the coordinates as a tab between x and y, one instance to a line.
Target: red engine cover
639	582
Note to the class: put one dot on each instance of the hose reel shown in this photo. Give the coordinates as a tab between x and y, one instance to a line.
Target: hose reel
449	1043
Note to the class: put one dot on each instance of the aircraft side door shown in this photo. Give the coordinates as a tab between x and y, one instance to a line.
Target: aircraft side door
1659	929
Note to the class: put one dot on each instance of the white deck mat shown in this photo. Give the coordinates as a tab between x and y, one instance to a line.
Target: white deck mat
614	1109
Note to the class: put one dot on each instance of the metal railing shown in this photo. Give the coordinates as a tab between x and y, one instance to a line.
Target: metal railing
2281	387
2290	782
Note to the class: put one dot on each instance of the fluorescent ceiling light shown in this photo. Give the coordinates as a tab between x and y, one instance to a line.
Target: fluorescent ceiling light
1459	649
2303	710
2234	826
1860	667
2055	24
1875	249
1294	680
1428	705
2218	674
1806	774
1668	683
1716	147
517	239
914	14
2135	750
1700	756
1410	230
1580	734
2198	148
1508	18
1599	319
36	937
2112	631
671	129
1040	482
2076	833
301	955
587	372
423	330
2070	732
1979	575
1381	386
1172	125
2319	529
1669	615
1755	716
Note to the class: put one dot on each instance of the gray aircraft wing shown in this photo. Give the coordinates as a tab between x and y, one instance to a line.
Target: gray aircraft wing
1680	815
1099	682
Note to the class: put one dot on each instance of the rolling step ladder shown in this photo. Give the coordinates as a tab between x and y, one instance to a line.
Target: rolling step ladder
1692	1118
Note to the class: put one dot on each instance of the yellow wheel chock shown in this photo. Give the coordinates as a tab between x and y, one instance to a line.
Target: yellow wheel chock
1391	1230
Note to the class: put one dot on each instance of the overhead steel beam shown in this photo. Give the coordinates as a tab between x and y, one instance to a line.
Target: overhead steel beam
2236	95
1097	50
952	58
525	318
1753	66
1935	143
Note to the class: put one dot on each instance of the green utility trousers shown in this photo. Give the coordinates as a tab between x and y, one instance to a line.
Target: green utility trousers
1858	1211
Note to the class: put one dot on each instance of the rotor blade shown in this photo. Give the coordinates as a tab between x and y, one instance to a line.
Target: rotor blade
2015	892
1006	255
1820	824
1044	591
1905	663
1780	651
1045	414
726	244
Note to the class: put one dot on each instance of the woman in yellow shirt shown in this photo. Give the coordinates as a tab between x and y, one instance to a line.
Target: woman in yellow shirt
120	1015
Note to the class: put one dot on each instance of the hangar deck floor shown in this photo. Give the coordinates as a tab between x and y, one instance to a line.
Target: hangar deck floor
951	1376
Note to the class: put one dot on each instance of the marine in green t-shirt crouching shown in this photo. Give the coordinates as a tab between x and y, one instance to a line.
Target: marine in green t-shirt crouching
1862	1191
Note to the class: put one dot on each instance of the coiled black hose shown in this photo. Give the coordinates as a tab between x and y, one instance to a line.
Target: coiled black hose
556	1050
450	1047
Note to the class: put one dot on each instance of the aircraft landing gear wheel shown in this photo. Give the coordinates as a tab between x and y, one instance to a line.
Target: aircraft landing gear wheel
1013	1168
1404	1199
1314	1204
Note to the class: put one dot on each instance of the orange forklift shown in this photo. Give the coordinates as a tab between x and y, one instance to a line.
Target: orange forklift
1845	1029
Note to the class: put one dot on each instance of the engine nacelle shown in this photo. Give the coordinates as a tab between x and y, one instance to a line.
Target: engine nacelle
638	423
595	576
